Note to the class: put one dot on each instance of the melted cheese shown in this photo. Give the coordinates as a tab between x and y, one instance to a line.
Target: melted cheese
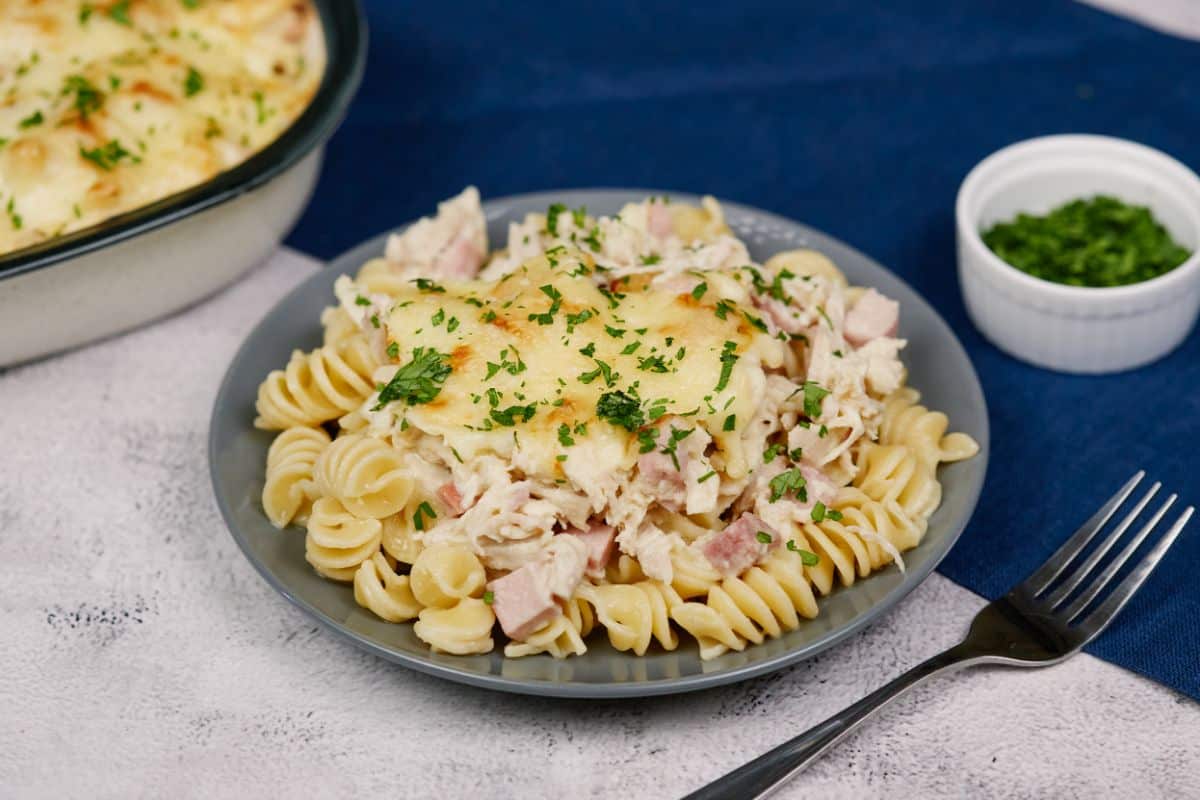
504	358
163	94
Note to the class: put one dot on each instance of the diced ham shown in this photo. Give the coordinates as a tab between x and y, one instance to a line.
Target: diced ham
522	602
453	500
599	540
665	483
819	488
783	316
658	220
871	317
460	261
737	548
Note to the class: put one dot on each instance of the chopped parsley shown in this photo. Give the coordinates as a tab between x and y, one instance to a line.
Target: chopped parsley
652	364
426	285
728	359
511	367
438	317
87	97
418	381
489	597
807	558
672	444
193	83
706	476
423	510
770	453
797	454
513	414
361	301
651	259
814	393
108	155
393	350
699	290
629	349
730	423
589	349
789	482
723	308
564	435
578	319
547	317
620	409
451	325
755	321
647	440
33	119
119	13
552	217
616	333
763	537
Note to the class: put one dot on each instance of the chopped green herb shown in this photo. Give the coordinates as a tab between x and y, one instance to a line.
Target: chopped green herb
423	510
589	350
789	482
676	436
438	317
119	13
706	476
770	453
807	558
552	217
87	97
511	415
652	364
730	423
85	13
1099	242
818	512
620	409
616	333
489	597
814	393
374	320
418	381
33	119
723	308
797	454
193	83
630	348
564	435
651	259
488	316
647	440
763	537
107	156
426	285
699	290
728	359
361	301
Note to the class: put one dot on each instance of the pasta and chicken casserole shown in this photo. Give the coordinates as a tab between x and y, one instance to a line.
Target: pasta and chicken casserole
623	422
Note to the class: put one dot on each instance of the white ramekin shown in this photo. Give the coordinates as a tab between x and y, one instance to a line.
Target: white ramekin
1070	328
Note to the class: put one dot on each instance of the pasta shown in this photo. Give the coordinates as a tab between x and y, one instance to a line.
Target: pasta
618	423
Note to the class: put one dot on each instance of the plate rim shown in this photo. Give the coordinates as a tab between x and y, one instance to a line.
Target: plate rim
627	689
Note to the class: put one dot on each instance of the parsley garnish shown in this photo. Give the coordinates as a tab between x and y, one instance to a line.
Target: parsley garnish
119	13
620	409
393	350
438	317
699	290
706	476
588	350
755	321
673	441
106	156
592	240
629	348
547	318
361	301
652	364
647	440
418	381
730	423
552	217
489	597
807	558
723	308
789	482
616	333
511	415
87	97
770	453
651	259
423	510
577	319
814	393
193	84
564	435
452	325
797	454
728	359
763	537
426	285
33	119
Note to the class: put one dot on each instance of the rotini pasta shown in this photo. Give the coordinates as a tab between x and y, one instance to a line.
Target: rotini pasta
289	490
760	451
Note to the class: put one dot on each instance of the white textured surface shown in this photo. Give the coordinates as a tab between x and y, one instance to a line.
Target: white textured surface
143	656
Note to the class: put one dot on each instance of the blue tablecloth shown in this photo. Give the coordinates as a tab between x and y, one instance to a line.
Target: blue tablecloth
859	118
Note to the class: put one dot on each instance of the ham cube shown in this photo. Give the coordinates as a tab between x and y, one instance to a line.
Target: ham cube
460	261
453	500
599	540
659	221
819	488
522	602
871	317
739	547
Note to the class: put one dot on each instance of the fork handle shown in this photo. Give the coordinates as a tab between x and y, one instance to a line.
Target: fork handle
771	770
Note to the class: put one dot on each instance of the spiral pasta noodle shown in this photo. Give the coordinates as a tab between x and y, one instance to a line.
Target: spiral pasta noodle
338	541
462	629
560	637
378	588
289	490
317	386
365	474
632	614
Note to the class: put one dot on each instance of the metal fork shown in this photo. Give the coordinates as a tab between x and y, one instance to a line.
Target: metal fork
1040	622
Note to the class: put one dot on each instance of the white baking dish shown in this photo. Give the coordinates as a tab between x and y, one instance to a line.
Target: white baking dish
149	262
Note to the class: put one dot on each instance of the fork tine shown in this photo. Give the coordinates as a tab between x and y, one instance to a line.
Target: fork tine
1080	603
1073	580
1095	623
1054	565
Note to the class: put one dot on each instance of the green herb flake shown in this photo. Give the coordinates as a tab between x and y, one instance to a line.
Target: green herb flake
193	82
770	453
119	13
107	156
564	435
1098	242
428	286
789	482
620	409
763	537
814	393
807	558
424	510
393	350
728	359
711	473
489	597
32	120
419	381
730	423
699	290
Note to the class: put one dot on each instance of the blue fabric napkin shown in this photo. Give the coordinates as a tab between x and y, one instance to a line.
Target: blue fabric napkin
860	119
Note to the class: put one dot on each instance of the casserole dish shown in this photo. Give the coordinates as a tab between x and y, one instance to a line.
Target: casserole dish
140	265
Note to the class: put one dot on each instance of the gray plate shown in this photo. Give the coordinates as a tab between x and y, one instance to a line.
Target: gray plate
938	367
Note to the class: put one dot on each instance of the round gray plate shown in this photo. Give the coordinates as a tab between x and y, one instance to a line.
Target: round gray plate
938	367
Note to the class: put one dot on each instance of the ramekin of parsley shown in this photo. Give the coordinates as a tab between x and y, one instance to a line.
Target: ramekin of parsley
1078	252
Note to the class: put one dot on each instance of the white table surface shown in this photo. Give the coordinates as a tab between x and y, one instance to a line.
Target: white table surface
143	656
